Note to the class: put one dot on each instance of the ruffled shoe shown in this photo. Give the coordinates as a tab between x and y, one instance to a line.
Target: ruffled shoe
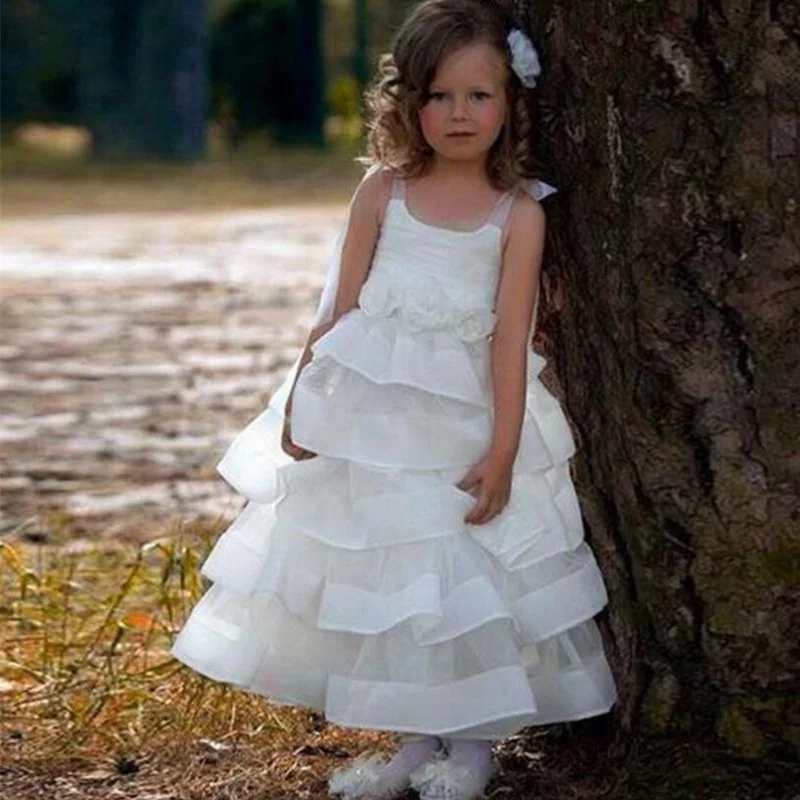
442	778
360	780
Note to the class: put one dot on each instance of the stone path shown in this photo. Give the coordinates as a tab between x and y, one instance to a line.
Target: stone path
133	348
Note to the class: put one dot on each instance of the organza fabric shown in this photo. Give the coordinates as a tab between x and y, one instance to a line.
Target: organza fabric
350	583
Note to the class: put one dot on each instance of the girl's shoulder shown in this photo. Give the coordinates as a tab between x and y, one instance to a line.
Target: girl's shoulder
525	213
379	179
375	189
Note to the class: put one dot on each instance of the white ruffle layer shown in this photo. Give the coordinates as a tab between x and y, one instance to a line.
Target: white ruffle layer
353	506
480	685
386	351
408	416
444	587
446	580
346	410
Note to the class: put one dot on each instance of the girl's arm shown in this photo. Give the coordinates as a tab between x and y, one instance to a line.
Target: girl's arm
366	213
519	282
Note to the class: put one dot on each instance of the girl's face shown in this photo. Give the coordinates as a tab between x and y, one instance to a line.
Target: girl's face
467	103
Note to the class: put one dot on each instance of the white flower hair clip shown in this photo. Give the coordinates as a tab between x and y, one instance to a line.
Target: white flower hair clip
525	59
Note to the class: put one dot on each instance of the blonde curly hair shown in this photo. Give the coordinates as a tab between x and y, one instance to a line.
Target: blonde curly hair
433	30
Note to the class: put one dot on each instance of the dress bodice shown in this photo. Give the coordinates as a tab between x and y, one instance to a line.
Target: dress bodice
432	277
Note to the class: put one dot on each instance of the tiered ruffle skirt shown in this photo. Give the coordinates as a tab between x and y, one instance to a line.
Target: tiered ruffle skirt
350	583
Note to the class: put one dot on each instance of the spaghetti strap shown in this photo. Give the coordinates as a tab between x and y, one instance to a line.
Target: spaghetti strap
502	208
398	187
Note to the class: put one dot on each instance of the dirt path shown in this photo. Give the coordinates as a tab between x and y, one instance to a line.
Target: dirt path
133	347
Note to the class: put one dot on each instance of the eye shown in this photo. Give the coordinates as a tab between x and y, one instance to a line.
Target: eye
436	96
480	95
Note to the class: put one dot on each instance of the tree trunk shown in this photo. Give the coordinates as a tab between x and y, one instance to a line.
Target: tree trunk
670	315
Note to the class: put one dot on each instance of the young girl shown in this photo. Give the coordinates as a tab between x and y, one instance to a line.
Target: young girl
411	556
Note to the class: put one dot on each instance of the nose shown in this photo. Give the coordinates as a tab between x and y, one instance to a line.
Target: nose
459	108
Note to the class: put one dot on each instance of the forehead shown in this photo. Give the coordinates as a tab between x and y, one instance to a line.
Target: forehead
478	62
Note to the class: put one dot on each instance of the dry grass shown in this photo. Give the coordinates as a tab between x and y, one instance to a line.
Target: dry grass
92	700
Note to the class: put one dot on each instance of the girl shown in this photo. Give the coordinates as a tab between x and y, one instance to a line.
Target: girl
411	557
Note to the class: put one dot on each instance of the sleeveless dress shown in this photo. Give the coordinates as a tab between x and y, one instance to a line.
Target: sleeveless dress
350	583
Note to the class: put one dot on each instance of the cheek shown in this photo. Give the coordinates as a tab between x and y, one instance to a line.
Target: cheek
430	122
492	116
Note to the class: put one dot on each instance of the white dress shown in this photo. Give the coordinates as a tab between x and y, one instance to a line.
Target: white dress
350	583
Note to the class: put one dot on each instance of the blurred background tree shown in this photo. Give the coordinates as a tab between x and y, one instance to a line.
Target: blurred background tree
134	72
142	76
146	77
38	79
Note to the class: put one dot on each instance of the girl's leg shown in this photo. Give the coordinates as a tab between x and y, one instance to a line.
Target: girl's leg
415	750
473	753
469	749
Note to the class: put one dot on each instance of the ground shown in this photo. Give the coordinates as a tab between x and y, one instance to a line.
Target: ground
133	346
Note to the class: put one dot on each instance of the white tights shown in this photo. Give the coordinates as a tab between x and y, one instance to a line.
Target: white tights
416	749
470	752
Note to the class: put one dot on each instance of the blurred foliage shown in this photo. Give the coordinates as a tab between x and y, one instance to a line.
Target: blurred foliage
258	82
132	71
343	97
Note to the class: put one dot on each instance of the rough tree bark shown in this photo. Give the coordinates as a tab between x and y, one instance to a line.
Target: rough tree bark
671	319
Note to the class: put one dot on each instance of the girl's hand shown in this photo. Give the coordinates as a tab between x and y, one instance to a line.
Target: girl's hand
288	446
490	481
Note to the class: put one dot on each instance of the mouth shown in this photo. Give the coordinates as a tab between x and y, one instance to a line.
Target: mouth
460	134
